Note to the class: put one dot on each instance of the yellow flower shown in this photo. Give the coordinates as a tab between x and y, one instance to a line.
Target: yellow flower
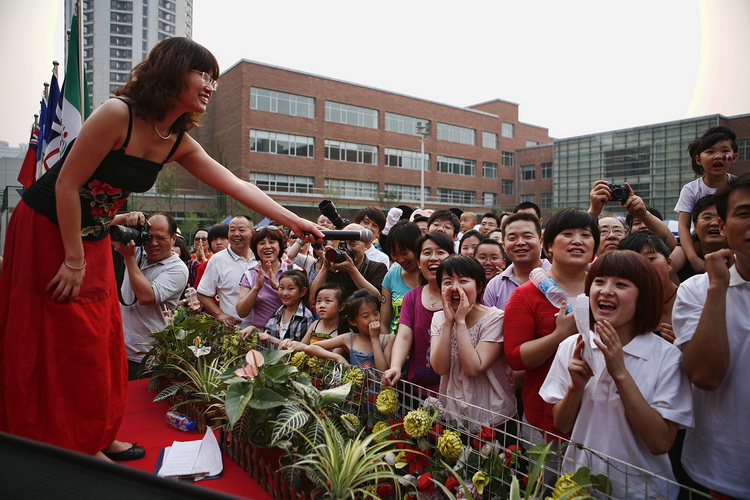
380	431
566	484
480	480
299	360
417	423
387	401
352	419
316	365
355	376
197	341
449	445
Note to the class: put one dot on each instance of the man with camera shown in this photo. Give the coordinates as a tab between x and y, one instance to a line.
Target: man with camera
350	268
153	282
612	230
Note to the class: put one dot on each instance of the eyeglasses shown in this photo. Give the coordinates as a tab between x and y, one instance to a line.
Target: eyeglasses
615	230
708	218
494	258
270	228
207	80
200	238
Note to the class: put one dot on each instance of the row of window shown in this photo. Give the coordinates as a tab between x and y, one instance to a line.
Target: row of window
545	199
528	172
263	141
303	106
345	188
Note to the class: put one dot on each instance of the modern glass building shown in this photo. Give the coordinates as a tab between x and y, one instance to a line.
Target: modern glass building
652	159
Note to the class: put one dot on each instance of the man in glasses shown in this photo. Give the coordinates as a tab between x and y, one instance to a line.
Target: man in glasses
154	280
612	232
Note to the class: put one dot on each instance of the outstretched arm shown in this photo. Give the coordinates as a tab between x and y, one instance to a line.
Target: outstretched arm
196	161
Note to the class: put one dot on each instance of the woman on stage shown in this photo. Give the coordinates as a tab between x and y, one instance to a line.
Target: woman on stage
62	358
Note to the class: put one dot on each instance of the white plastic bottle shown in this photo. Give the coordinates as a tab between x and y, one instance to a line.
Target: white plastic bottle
549	288
179	421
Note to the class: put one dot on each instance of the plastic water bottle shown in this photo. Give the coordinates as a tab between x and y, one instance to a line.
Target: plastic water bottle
549	288
191	299
180	421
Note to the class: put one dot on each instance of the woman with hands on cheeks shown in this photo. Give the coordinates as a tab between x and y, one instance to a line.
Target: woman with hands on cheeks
260	283
628	405
69	280
467	348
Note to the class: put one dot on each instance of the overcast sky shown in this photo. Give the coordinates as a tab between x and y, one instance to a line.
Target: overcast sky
576	67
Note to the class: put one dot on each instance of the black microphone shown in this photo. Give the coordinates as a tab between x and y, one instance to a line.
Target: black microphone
364	235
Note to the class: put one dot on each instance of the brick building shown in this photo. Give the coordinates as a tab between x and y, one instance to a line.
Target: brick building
303	138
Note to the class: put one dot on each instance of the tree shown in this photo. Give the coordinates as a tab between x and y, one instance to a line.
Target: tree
166	186
388	199
190	225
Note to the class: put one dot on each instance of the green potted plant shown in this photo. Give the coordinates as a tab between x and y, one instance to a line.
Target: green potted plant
342	465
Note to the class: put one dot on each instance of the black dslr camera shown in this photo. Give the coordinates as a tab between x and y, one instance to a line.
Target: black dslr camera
328	209
619	192
338	255
124	234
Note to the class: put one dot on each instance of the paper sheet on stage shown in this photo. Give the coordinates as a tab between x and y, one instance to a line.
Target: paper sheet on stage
192	458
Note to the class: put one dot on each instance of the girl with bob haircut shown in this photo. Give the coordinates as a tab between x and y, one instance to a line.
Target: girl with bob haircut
70	280
467	349
403	276
630	404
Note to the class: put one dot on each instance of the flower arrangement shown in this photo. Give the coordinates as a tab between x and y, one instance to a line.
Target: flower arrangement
313	409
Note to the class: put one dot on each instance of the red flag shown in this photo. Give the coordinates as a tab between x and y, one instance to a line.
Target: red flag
27	175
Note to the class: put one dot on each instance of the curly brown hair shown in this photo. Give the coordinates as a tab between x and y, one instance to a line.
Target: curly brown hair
153	85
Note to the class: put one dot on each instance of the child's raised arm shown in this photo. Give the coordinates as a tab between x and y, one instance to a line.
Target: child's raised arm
381	362
320	349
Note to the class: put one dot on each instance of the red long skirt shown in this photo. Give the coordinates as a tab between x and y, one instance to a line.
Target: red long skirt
62	365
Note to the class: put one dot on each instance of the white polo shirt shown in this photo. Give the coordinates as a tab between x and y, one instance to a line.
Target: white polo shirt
222	279
601	424
375	255
716	452
168	279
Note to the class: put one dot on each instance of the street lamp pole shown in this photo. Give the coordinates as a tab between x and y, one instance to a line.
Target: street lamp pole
423	130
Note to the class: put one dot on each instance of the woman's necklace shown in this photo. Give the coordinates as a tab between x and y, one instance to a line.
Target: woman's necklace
161	136
434	301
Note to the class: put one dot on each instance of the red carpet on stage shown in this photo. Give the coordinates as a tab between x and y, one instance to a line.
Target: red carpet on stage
144	424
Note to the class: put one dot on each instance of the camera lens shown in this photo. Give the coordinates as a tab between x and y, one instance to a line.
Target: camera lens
335	255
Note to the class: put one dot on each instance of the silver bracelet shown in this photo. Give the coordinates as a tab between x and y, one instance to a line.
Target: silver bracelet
74	268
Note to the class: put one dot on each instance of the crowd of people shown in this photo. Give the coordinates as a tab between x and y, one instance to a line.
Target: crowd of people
440	298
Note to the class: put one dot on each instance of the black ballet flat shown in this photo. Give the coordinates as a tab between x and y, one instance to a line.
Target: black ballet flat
135	452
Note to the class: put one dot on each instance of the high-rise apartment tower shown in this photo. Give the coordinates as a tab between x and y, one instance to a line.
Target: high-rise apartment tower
118	34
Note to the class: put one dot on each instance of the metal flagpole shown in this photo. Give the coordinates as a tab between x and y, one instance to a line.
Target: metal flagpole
81	89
